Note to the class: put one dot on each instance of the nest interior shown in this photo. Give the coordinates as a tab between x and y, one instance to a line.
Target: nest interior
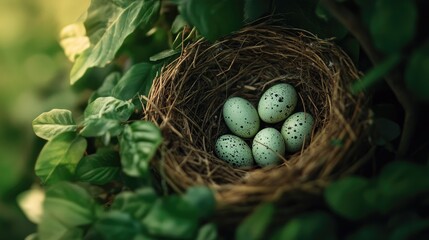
186	103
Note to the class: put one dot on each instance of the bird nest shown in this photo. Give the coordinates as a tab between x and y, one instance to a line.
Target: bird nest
186	102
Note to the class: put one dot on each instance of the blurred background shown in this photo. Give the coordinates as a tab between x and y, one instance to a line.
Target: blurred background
33	79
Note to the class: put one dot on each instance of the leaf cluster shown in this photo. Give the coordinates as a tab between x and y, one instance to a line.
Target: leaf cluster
388	206
70	212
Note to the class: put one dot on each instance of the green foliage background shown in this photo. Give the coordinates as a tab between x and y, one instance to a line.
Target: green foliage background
93	161
33	70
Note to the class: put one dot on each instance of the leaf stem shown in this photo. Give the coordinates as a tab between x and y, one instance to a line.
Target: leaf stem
346	17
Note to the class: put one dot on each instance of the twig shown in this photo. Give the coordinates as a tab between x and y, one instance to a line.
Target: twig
407	101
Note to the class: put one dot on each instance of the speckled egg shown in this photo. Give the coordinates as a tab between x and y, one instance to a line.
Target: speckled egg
234	151
241	117
277	103
297	129
268	146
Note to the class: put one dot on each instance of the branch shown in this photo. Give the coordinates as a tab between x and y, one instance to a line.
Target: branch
360	32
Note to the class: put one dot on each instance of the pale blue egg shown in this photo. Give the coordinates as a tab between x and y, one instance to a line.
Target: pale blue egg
234	151
277	103
241	117
296	130
268	147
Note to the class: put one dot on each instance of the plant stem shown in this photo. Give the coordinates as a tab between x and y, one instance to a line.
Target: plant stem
346	17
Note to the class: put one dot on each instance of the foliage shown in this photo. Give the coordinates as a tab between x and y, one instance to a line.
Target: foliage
59	157
107	32
376	74
389	32
50	124
66	207
398	184
139	143
308	226
382	207
416	72
69	209
253	227
347	199
213	18
97	169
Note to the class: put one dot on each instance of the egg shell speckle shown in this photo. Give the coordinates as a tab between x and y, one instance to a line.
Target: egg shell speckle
234	151
267	147
297	129
277	103
241	117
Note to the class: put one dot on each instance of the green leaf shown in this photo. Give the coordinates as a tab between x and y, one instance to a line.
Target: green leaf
202	198
137	80
302	14
50	124
104	116
66	207
208	232
172	217
254	9
73	40
52	229
254	226
399	183
417	72
97	127
414	229
384	131
105	90
115	225
59	157
368	232
99	168
315	225
165	54
31	203
367	8
70	204
178	24
393	24
144	236
138	146
137	204
213	18
108	23
376	74
346	197
32	236
109	107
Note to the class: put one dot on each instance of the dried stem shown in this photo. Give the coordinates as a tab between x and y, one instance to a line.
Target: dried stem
355	26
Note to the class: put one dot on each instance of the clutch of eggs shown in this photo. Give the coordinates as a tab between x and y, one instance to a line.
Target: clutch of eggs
269	145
